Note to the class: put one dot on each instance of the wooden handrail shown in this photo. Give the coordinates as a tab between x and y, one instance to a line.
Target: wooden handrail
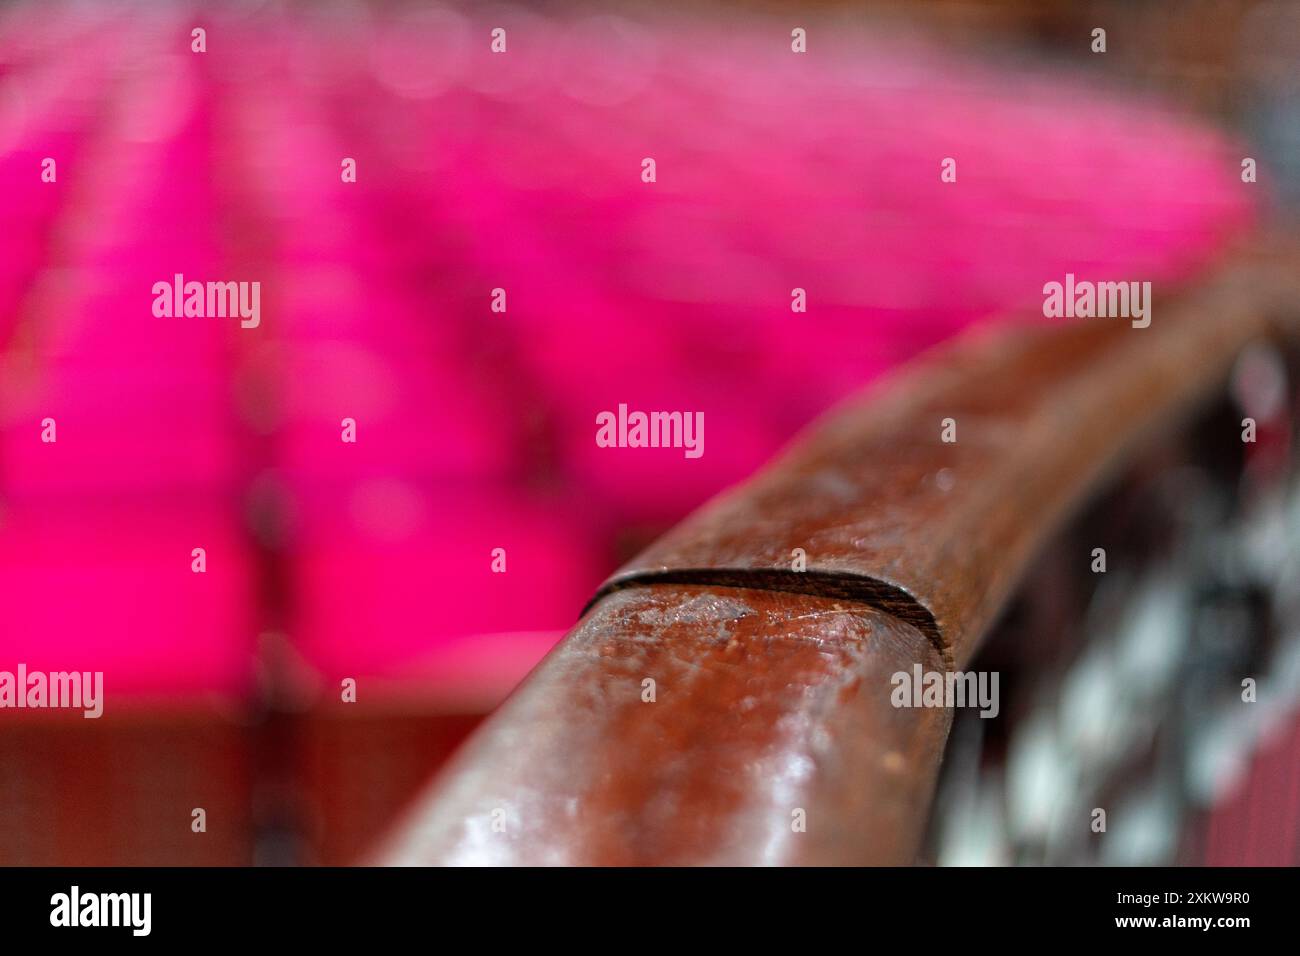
767	734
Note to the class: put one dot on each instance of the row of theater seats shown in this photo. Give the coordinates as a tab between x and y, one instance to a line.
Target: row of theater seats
475	428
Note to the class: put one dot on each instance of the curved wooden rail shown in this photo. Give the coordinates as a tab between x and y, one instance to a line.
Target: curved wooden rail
770	737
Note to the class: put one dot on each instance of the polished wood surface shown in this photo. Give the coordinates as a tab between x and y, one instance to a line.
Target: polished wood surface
765	705
772	684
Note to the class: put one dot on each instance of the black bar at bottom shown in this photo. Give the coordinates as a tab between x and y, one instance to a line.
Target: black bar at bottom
461	908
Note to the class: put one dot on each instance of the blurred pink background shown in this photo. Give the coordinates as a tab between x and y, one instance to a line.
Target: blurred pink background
475	429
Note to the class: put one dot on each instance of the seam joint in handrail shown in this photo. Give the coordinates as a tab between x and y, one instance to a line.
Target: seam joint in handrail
859	589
